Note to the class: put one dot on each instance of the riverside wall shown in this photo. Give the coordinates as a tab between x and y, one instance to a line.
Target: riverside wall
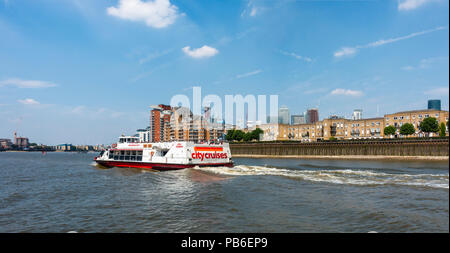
381	148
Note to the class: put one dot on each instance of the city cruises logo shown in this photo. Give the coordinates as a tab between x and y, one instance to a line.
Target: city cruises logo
215	155
238	110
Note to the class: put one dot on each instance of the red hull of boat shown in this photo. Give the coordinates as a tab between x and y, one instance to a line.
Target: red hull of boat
158	166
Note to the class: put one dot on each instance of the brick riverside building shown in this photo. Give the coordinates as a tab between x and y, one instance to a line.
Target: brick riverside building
341	128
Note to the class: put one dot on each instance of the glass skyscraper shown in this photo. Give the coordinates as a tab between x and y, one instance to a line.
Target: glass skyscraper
284	116
434	104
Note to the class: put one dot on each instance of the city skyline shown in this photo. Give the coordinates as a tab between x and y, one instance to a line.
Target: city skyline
87	71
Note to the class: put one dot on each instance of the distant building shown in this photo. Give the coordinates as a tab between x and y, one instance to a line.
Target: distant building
144	134
284	115
185	126
335	117
64	147
21	142
5	143
434	104
357	114
298	119
312	115
271	119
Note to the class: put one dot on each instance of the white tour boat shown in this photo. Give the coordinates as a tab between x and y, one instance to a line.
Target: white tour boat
129	152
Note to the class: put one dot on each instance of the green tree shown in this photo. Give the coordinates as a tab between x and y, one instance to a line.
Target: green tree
247	136
429	125
229	136
407	129
238	135
442	130
389	130
256	133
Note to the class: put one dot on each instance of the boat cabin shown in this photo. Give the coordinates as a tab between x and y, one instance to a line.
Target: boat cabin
128	139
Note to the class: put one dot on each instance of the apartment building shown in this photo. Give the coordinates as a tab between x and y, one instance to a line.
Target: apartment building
341	128
415	117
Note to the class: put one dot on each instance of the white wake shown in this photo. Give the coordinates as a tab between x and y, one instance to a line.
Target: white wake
348	176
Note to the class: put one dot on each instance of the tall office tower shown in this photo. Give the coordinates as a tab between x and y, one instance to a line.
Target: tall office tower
434	104
357	114
284	115
298	119
312	115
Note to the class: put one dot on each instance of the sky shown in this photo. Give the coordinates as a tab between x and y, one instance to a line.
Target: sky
85	72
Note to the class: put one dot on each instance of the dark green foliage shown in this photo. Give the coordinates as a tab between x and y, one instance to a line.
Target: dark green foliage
238	135
256	134
442	130
407	129
389	130
229	136
429	125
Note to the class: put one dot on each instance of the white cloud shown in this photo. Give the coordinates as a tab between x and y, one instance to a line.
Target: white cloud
406	5
26	83
408	68
249	74
344	92
203	52
345	51
348	51
251	9
28	101
441	91
427	63
296	56
156	13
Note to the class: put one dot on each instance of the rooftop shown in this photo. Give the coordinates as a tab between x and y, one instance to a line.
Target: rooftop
413	111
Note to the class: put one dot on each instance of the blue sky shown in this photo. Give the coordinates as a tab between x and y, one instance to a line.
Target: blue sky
84	72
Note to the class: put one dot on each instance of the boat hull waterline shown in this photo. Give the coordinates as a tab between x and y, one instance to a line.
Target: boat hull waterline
160	166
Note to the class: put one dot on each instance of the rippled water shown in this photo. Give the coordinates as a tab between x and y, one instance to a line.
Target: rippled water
61	192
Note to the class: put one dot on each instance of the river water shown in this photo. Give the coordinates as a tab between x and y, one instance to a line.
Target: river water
62	192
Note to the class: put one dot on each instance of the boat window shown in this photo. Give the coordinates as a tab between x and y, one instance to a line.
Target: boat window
128	155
